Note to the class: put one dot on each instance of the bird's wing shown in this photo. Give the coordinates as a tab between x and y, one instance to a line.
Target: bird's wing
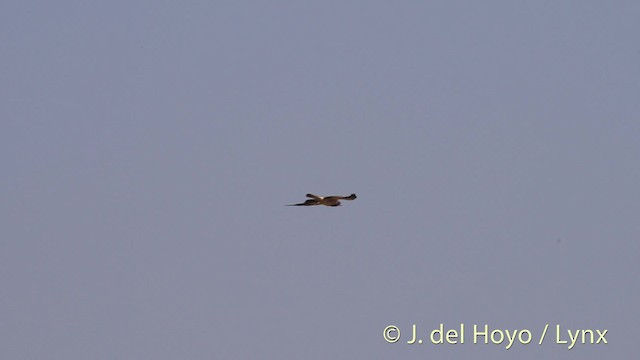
316	197
306	203
350	197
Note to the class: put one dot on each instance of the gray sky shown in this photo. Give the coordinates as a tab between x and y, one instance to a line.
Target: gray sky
148	148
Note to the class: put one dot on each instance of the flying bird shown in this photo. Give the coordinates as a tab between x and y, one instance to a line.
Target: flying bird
324	200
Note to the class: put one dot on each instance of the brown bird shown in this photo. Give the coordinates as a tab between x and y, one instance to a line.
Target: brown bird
324	200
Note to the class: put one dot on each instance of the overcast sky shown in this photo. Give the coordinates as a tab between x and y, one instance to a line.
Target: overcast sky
148	148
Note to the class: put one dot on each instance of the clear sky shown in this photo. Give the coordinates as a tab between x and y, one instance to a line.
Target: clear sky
148	148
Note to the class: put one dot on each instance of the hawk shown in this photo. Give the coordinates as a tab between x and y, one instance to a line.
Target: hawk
324	200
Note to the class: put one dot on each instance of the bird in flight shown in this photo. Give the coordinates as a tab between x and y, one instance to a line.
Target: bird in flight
324	200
